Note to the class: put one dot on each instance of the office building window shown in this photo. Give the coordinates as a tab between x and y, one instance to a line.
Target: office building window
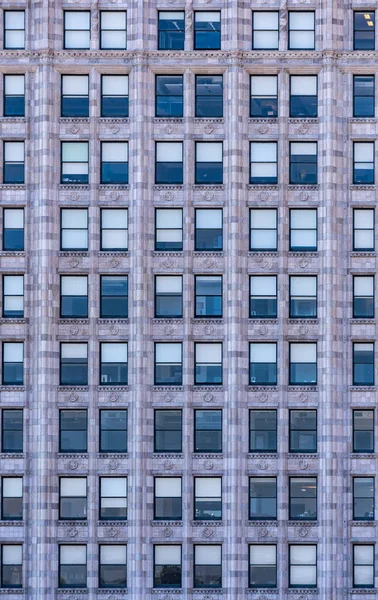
14	162
11	499
114	297
264	96
363	162
13	363
115	163
265	30
304	163
113	430
262	566
113	30
74	162
14	96
303	431
262	364
207	498
73	498
363	565
169	163
171	30
363	96
168	296
263	498
363	364
303	297
73	297
73	431
11	566
12	431
364	30
114	367
209	229
14	29
363	229
13	296
75	99
303	364
263	431
115	96
209	163
363	499
263	296
112	566
303	96
167	566
113	498
207	431
303	230
114	230
263	163
263	229
77	29
168	431
363	431
303	499
168	364
301	30
207	566
74	229
168	229
209	96
73	364
13	229
169	96
208	293
363	297
168	499
208	364
72	566
302	566
207	30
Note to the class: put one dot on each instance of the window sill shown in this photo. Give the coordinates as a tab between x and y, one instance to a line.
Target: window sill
362	388
208	455
164	456
265	455
253	187
73	186
369	321
12	186
120	523
302	387
361	186
302	120
13	119
10	455
167	186
362	120
12	388
74	120
166	523
199	187
12	523
113	388
303	186
303	320
119	120
215	120
113	186
366	523
69	455
72	522
113	456
163	120
267	120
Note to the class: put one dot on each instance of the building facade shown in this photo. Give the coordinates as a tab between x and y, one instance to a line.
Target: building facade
187	206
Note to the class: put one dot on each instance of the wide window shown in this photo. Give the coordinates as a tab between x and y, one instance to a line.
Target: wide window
72	566
263	163
73	431
363	297
168	229
207	498
363	431
303	497
208	292
12	431
264	96
207	431
113	30
73	498
209	230
363	565
114	297
169	165
114	367
113	498
364	30
13	296
168	431
301	30
303	297
115	96
262	364
171	30
207	566
13	363
73	297
263	229
207	30
11	499
168	364
77	29
304	163
11	566
363	364
73	364
363	229
14	29
263	431
167	566
14	96
363	498
263	498
262	566
263	296
363	96
14	162
302	566
303	431
303	230
209	163
75	99
209	96
74	162
169	96
265	30
208	364
112	566
74	229
303	96
168	501
115	162
113	430
168	296
363	162
114	233
303	364
13	229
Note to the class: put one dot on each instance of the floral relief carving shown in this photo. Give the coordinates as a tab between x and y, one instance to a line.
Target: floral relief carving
168	465
74	129
168	329
303	330
263	196
303	397
303	196
208	397
167	532
303	465
262	465
72	465
113	129
208	465
208	263
113	532
113	263
263	129
74	330
303	263
113	397
74	262
72	532
208	196
168	129
73	397
114	329
303	129
209	329
207	532
262	532
114	196
113	465
303	532
263	397
169	263
74	196
168	397
168	195
263	330
209	129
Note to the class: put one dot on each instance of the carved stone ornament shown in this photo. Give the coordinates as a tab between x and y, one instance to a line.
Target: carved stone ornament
168	465
169	263
113	263
73	397
262	465
263	330
168	129
209	330
263	397
207	532
113	129
114	196
74	129
208	397
113	397
303	465
114	329
208	465
72	465
303	330
263	196
263	129
303	263
74	196
168	397
208	196
303	532
167	532
72	532
113	532
209	129
303	196
169	195
74	330
74	262
262	598
303	397
262	532
303	129
208	263
113	465
168	329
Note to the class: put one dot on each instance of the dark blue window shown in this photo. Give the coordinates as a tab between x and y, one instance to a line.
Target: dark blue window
14	95
303	96
303	163
209	96
171	30
169	96
114	163
363	364
207	30
14	166
169	165
208	290
363	167
363	96
75	99
364	30
115	96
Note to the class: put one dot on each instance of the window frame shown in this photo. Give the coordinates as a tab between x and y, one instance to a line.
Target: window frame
354	247
289	30
4	430
355	163
168	451
355	46
13	10
355	96
291	586
272	517
354	430
65	11
293	248
254	47
71	451
117	49
251	429
126	431
291	429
